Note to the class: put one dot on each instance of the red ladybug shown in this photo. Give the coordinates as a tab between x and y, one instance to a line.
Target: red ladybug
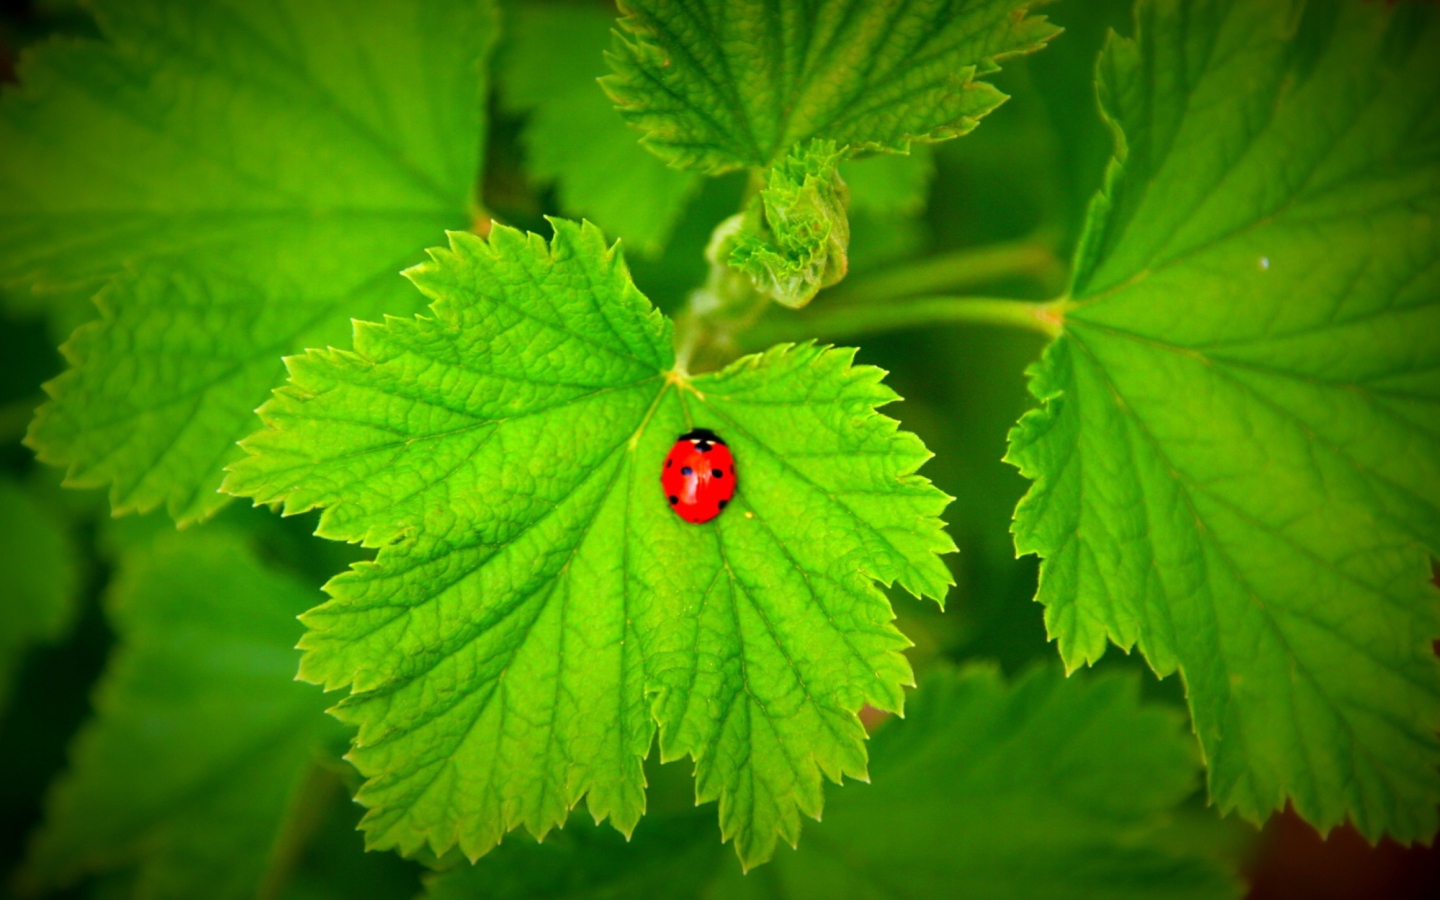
699	476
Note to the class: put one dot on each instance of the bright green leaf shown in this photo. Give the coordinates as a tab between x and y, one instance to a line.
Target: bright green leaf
202	739
794	238
1049	788
720	84
574	137
260	172
1237	458
536	610
40	577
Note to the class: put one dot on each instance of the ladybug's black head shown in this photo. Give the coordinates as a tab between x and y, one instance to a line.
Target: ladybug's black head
702	435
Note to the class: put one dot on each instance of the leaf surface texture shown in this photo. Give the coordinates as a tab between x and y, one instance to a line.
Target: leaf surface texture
720	84
536	609
1048	787
255	173
202	741
1237	458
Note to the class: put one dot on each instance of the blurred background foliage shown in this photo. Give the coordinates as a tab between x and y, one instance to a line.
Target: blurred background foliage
1019	183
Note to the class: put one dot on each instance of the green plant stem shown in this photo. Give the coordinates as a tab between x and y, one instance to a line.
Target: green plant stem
717	312
852	319
1031	257
727	315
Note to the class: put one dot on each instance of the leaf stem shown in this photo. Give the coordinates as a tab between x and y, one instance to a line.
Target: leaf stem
715	313
854	318
974	265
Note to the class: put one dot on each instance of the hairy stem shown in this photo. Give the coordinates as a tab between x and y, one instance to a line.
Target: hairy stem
1031	257
852	319
726	316
717	312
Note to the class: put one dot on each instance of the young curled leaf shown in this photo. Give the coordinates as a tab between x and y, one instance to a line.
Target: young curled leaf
794	238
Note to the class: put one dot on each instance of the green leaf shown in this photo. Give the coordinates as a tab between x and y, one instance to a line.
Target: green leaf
202	740
1050	787
720	84
536	610
574	137
41	576
1237	459
793	240
259	173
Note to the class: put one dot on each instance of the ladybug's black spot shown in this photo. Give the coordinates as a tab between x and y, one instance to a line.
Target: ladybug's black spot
674	499
668	463
687	471
717	473
701	434
723	503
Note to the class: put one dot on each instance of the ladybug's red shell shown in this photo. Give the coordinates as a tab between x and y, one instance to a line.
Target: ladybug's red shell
699	476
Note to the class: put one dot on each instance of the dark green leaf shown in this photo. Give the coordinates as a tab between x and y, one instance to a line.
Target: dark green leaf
723	84
259	173
1237	460
202	742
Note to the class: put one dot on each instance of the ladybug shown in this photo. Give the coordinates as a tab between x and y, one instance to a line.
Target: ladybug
699	476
